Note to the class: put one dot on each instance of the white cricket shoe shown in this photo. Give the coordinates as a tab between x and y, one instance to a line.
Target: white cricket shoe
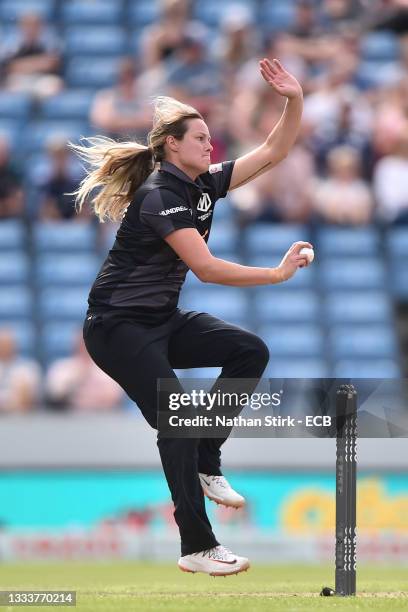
219	490
217	561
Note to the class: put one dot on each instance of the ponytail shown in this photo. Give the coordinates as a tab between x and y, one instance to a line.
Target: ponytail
117	169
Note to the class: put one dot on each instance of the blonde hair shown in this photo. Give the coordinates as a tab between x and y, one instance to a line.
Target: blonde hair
117	169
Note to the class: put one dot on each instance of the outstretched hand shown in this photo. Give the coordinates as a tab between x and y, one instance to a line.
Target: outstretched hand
280	79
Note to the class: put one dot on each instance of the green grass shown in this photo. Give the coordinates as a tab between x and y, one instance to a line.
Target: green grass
154	587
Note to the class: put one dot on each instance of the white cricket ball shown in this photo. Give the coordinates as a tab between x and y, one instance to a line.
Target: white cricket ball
308	252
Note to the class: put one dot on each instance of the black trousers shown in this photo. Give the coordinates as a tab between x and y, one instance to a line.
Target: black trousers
136	357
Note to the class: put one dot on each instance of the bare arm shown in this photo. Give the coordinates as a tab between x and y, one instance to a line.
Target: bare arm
281	139
192	249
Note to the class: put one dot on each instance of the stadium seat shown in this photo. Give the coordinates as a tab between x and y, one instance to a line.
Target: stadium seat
223	238
380	46
42	131
344	241
64	236
293	340
67	270
278	15
63	304
24	333
306	367
355	341
71	104
10	129
14	268
210	373
397	242
229	304
358	307
142	13
11	10
374	74
300	306
101	40
399	279
92	72
354	273
12	235
264	238
58	340
367	368
99	12
14	105
15	302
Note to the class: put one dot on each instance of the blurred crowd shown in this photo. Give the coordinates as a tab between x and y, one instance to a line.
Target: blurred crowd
348	167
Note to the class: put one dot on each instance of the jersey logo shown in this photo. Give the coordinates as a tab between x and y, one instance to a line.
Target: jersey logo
204	203
215	168
170	211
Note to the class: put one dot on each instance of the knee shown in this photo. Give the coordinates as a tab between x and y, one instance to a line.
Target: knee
257	349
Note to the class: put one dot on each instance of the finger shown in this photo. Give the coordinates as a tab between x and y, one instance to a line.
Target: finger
268	66
278	65
301	245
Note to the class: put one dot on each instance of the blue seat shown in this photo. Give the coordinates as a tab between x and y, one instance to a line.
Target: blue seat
229	304
367	368
278	15
10	129
12	235
142	13
347	241
262	238
71	104
380	46
303	279
211	373
11	10
15	303
100	12
397	241
101	40
66	270
353	273
358	307
63	304
24	334
95	72
306	367
58	340
374	74
297	340
14	268
42	131
300	306
363	341
223	238
399	279
64	236
14	105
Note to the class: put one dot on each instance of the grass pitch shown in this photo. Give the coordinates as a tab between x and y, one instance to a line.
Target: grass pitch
106	587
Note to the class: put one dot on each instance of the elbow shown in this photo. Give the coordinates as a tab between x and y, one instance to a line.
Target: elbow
205	273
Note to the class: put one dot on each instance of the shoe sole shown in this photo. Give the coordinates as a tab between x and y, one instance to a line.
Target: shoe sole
244	568
221	502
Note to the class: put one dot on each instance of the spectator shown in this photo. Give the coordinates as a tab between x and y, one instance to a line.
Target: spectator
193	78
31	61
77	383
343	197
60	181
20	379
391	183
11	192
122	110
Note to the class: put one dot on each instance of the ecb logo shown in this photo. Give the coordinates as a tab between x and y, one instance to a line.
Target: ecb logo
204	203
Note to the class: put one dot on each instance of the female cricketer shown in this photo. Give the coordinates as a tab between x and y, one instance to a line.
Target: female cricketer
164	194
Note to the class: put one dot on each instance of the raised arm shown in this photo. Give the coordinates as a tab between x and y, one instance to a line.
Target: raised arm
192	249
281	139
